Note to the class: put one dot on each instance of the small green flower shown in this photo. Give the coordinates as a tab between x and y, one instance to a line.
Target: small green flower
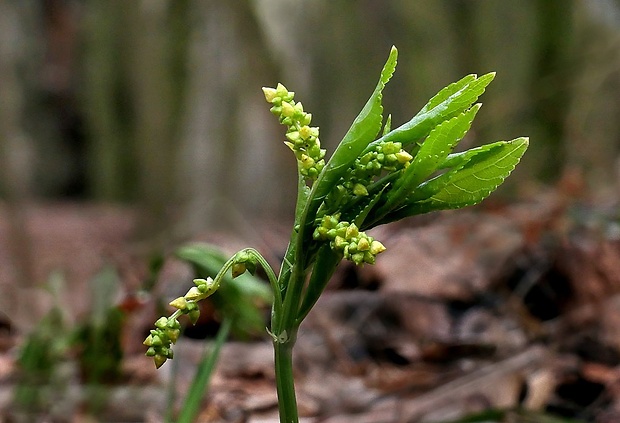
360	190
244	261
193	316
161	323
194	294
160	339
173	334
159	360
302	139
346	238
179	303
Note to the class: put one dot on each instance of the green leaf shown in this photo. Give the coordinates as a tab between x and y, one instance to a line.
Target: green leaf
387	127
449	102
364	129
481	172
430	156
326	262
448	91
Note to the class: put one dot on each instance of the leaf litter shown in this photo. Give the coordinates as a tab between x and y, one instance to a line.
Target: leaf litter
495	310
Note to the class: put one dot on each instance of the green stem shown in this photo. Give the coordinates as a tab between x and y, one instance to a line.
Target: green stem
322	271
287	403
273	281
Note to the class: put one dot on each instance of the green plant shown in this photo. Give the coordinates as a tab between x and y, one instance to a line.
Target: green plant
369	180
238	305
40	380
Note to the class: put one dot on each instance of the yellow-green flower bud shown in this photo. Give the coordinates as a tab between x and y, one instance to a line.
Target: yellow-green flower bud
315	151
299	109
391	147
363	244
173	335
193	316
161	323
179	303
351	231
288	110
340	243
313	172
305	132
306	161
238	269
369	258
159	360
283	92
173	324
206	286
306	119
331	221
270	94
294	136
194	294
360	190
357	258
376	247
403	157
319	233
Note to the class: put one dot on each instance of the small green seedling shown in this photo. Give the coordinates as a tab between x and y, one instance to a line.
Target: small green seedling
376	175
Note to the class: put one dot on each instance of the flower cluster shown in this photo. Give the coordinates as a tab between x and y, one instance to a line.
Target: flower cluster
345	237
388	156
160	340
168	329
383	157
302	139
244	261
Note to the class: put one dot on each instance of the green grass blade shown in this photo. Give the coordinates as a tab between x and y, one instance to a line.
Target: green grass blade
200	384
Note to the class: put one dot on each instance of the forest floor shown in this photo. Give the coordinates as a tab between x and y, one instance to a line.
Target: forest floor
497	314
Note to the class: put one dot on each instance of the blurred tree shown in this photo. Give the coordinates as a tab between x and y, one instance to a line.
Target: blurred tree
105	102
592	127
16	153
169	90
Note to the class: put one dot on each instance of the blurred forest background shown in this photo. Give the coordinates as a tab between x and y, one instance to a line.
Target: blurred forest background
157	103
155	108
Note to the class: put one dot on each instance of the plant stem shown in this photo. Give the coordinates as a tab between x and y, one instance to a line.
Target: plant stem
287	403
